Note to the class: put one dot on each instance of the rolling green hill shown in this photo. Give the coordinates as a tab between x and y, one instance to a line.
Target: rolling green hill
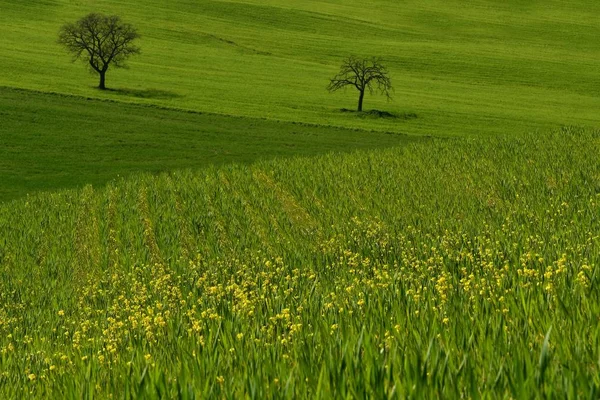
482	67
49	141
452	269
215	226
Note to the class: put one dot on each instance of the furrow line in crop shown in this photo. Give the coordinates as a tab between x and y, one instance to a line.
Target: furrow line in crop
296	213
86	236
149	235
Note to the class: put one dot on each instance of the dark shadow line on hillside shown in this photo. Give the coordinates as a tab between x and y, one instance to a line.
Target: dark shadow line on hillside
378	114
198	112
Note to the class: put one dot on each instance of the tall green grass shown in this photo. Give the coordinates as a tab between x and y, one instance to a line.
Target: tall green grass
456	268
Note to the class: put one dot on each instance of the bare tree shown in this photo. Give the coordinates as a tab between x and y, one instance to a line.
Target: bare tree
101	40
364	74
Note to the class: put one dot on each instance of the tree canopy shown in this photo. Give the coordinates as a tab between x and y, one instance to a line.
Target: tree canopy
363	74
101	41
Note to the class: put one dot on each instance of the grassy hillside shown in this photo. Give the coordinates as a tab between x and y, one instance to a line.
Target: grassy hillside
452	268
375	263
482	67
49	141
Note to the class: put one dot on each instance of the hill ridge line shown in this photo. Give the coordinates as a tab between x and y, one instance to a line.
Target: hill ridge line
199	112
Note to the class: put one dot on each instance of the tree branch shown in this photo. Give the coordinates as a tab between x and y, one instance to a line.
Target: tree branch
364	74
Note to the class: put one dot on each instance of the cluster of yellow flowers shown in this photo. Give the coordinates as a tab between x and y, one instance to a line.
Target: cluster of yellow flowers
128	311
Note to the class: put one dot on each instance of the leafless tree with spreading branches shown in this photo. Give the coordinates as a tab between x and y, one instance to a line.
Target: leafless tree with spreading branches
364	74
101	40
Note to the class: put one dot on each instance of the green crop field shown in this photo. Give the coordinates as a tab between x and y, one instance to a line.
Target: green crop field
51	141
481	69
460	268
218	225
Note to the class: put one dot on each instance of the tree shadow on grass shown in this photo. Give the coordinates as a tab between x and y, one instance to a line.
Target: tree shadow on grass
145	93
381	114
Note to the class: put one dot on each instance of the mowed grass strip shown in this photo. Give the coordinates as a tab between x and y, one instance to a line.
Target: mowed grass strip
51	141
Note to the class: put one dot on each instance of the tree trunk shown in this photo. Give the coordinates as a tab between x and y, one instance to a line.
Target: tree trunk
102	84
360	100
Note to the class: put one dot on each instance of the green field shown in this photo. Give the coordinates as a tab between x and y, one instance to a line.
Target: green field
215	226
431	270
55	141
480	69
464	68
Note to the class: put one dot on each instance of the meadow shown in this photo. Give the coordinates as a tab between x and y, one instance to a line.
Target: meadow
449	268
51	141
215	226
482	69
479	68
